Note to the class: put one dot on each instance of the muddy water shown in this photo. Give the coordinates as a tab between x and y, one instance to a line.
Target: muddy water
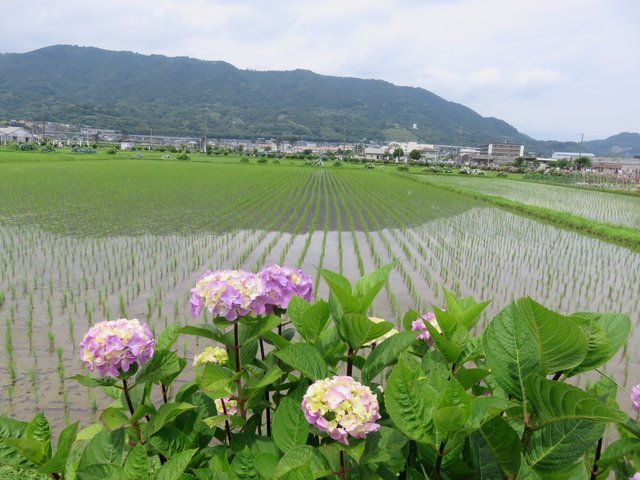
56	286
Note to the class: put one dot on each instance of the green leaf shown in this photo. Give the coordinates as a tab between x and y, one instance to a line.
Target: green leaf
301	457
525	472
383	446
163	365
168	337
216	381
166	413
357	329
606	335
469	377
104	447
251	328
409	318
265	464
510	352
452	347
113	418
94	382
136	466
58	461
559	445
89	432
341	289
170	441
243	465
385	354
101	471
495	450
256	384
334	279
305	358
465	311
309	320
410	401
30	449
556	401
175	466
290	429
205	330
369	286
617	451
453	410
561	342
10	428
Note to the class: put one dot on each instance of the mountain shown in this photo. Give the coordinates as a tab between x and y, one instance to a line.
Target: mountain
173	95
622	144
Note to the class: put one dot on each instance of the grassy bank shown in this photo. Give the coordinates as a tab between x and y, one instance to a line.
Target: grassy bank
627	237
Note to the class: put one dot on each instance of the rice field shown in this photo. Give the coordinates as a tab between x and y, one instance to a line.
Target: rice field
82	242
604	207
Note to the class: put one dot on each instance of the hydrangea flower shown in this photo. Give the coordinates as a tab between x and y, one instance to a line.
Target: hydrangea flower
381	338
636	476
215	355
226	406
418	325
341	407
111	347
635	398
229	294
282	283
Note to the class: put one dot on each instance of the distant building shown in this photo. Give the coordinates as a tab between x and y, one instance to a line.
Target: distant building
570	155
500	152
126	144
15	134
375	153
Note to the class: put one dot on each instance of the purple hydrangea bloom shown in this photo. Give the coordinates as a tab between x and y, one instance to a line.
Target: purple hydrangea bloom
418	325
635	398
111	347
283	283
341	407
229	294
636	476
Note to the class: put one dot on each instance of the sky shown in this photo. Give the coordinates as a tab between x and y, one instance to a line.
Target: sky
554	69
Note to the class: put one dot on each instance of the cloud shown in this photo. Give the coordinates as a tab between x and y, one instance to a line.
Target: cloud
495	56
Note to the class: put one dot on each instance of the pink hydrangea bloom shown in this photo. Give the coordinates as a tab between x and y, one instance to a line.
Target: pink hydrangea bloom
229	294
226	406
635	398
282	283
341	407
111	347
418	325
636	476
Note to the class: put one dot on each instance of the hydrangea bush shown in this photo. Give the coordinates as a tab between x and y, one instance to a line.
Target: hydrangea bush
341	407
111	347
290	388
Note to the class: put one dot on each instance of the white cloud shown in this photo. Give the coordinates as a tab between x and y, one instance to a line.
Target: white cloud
576	57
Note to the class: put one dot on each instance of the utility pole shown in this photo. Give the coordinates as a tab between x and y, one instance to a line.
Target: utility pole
44	135
206	117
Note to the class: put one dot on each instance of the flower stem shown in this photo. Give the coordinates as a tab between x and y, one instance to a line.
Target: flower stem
343	473
439	457
240	399
266	394
227	428
350	362
135	425
594	470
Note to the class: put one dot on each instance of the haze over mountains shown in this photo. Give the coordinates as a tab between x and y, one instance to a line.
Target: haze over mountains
179	95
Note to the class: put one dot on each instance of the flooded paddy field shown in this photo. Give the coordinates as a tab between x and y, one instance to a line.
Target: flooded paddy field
82	242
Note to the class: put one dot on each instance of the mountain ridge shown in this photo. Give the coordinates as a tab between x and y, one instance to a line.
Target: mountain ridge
137	92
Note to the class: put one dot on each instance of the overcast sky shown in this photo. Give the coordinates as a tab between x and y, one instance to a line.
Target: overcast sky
554	69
